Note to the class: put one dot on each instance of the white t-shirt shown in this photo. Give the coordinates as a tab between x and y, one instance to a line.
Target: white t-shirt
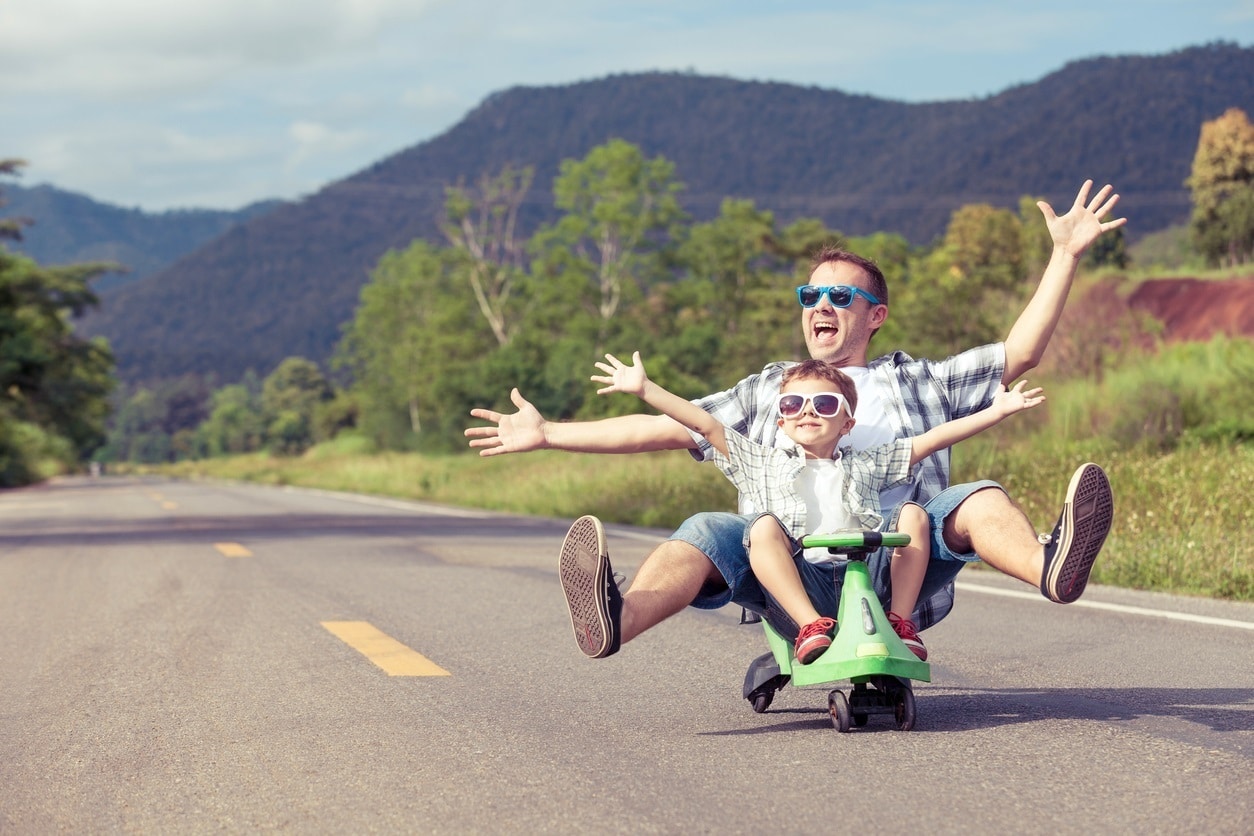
872	428
821	484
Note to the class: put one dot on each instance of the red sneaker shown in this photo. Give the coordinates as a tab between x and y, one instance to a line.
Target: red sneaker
905	630
813	639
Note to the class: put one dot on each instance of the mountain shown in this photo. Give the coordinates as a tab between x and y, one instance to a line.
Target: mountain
282	283
69	228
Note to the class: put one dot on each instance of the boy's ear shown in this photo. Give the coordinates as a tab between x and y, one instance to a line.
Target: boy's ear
779	422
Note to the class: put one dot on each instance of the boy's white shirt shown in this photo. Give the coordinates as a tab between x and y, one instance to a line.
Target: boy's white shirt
821	484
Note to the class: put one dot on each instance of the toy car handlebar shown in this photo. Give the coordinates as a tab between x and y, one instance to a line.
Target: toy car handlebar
855	540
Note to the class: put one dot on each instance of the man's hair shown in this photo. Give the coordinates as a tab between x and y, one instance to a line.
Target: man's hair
823	370
875	276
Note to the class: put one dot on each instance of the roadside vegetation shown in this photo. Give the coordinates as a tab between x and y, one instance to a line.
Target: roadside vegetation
1176	436
444	327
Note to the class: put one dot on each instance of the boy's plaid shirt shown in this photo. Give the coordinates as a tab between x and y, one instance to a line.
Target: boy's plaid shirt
767	478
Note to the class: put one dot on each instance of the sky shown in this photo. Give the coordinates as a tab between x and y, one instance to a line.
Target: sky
161	104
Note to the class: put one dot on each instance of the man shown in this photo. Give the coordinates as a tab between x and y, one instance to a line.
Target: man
844	305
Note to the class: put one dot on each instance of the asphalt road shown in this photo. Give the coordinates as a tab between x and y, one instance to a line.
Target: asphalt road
189	657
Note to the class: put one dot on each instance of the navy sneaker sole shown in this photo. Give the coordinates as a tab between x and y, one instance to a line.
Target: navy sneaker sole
1078	537
584	568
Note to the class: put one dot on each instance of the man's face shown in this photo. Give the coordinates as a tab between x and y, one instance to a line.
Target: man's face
841	335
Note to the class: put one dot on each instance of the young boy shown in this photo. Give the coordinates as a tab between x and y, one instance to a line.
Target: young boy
814	487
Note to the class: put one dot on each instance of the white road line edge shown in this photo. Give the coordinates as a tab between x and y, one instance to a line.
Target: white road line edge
1121	608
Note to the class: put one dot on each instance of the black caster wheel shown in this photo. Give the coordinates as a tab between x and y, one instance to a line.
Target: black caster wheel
903	709
762	701
838	707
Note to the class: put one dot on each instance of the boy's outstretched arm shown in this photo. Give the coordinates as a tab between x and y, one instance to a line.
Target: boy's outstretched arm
633	380
1005	403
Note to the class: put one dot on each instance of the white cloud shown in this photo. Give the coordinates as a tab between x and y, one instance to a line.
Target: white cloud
426	96
128	47
314	140
221	102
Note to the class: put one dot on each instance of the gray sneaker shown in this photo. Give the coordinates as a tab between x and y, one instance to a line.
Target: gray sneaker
1072	547
593	597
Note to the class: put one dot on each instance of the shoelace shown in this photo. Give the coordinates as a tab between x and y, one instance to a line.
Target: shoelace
821	627
904	629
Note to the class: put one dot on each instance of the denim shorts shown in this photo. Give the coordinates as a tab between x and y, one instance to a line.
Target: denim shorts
722	537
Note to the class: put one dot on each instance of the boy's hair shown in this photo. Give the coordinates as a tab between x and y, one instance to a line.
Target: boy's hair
875	276
823	370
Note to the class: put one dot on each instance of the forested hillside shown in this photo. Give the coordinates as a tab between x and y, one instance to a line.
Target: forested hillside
285	282
70	228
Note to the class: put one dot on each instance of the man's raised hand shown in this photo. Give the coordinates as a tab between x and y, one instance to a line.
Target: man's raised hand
521	432
1082	224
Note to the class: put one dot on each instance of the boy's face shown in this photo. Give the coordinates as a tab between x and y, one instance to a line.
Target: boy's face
816	434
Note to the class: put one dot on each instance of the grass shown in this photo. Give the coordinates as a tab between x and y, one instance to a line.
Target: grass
1183	523
1174	431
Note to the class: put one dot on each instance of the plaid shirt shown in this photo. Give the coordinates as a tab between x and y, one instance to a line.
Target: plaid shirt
768	476
918	394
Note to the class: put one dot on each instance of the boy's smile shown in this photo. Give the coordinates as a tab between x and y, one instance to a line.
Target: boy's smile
817	435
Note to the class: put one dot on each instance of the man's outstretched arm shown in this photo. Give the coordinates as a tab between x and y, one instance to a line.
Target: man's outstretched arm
1073	233
527	430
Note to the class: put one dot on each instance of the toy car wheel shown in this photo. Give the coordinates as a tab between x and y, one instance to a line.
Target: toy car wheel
904	709
838	707
762	701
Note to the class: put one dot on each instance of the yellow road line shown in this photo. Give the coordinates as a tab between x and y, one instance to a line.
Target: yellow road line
393	657
232	550
169	506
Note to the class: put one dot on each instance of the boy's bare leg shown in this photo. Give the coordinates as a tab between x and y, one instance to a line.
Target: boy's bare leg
770	557
909	563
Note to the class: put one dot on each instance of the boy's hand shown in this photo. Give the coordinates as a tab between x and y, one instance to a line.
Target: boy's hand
622	378
1017	399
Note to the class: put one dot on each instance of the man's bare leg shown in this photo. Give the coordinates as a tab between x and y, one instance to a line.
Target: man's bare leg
990	524
601	616
668	581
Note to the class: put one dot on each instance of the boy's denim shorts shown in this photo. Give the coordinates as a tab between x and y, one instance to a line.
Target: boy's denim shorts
723	538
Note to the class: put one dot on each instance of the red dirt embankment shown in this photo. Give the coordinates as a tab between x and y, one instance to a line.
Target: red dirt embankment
1198	309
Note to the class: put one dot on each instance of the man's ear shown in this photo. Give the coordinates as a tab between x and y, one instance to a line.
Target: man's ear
879	314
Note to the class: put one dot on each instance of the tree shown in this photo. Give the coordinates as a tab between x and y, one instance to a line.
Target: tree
1222	183
289	398
732	272
50	378
620	211
11	228
235	423
481	223
415	325
960	293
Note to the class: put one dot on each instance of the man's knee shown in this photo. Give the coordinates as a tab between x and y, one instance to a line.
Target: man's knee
684	562
984	508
